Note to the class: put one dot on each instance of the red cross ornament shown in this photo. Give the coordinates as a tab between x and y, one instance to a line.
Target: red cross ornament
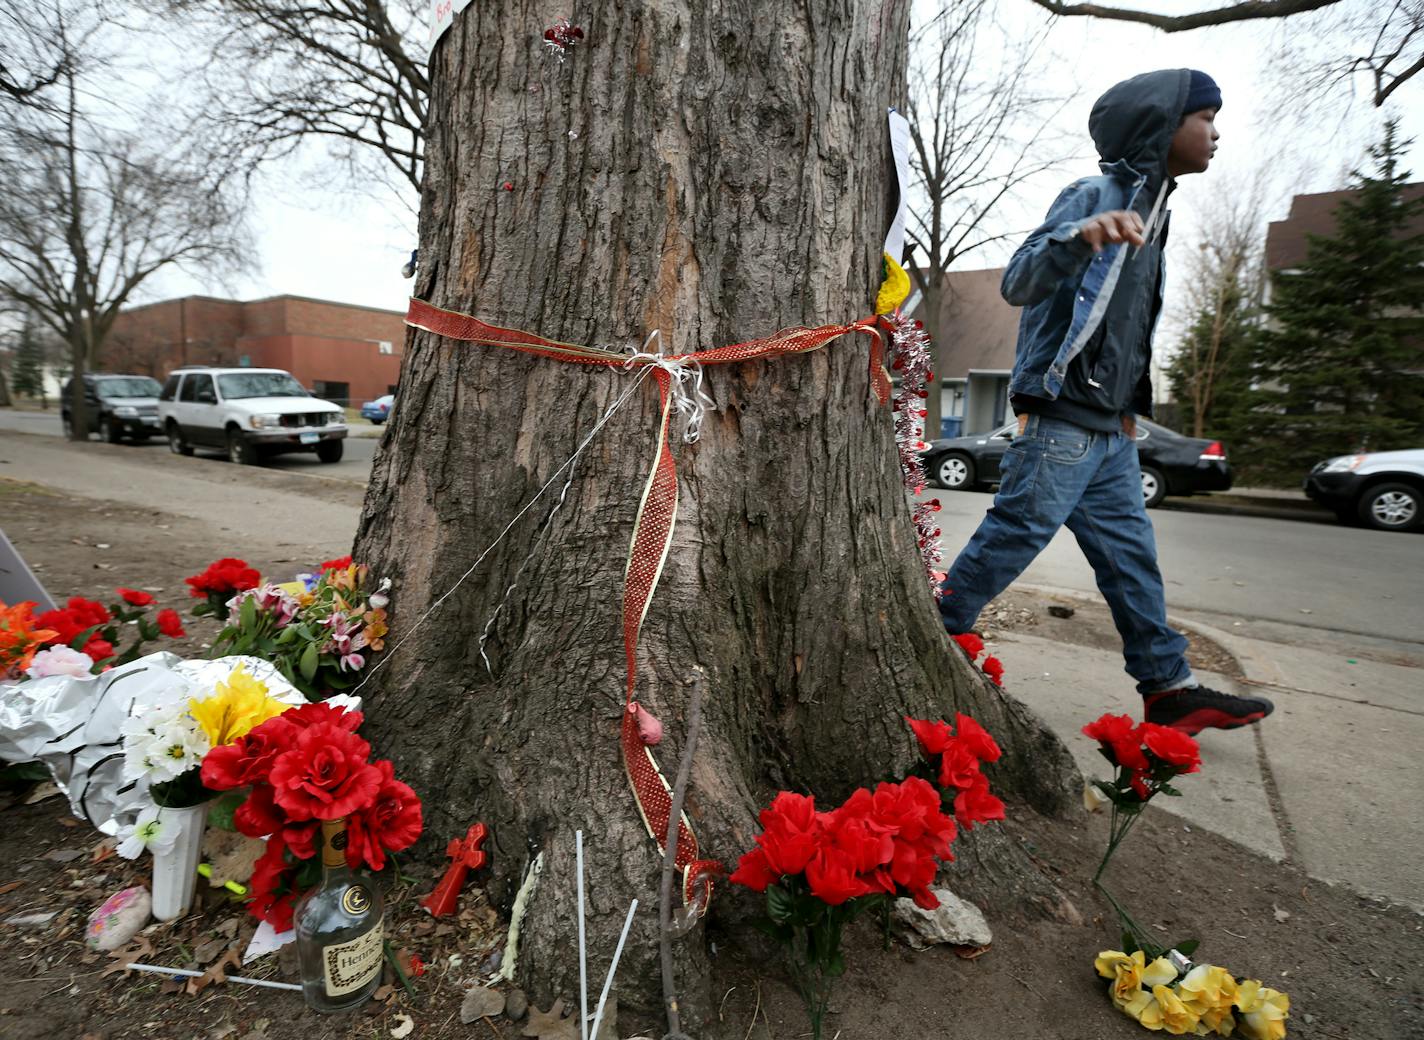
466	854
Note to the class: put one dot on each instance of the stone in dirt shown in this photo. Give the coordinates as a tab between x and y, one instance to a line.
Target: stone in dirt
1061	611
118	919
515	1005
955	922
481	1002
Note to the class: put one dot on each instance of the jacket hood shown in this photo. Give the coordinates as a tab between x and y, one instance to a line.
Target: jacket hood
1135	120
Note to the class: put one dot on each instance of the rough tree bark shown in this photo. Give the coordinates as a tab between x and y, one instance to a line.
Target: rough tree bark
715	171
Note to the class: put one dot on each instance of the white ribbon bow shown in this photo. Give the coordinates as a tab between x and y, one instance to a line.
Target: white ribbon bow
686	385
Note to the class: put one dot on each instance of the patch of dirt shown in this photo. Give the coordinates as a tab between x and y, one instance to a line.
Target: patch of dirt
1349	964
1088	624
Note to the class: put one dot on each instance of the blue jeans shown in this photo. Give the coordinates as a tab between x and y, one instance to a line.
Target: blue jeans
1058	473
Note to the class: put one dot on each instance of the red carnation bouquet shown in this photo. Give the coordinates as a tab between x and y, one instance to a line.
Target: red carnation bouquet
822	869
1147	758
300	768
83	637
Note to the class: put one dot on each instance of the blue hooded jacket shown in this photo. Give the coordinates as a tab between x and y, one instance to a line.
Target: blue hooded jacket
1066	289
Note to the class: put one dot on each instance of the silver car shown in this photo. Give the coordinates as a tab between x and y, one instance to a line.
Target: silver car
1384	489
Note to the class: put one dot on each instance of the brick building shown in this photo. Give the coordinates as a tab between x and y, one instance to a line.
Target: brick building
342	352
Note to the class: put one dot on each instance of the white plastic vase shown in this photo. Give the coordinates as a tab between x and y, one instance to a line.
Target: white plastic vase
175	869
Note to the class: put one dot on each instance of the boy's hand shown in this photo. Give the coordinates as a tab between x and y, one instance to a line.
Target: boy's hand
1118	225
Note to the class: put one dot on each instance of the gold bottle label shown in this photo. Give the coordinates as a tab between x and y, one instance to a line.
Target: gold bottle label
351	965
333	842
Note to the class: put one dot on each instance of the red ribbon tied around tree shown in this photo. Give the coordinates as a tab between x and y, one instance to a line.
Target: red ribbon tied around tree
653	528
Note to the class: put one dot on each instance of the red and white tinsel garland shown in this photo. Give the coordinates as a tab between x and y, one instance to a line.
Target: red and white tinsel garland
910	347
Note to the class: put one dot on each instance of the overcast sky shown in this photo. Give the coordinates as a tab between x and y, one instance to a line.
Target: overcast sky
319	241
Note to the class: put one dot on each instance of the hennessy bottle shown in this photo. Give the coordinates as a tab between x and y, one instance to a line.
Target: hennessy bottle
339	931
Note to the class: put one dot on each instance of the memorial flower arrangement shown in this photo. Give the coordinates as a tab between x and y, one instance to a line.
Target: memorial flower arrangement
319	629
1160	987
84	637
166	744
822	869
297	769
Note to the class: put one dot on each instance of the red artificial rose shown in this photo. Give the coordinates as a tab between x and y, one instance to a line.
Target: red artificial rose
223	577
832	878
98	648
169	623
1139	786
1171	746
72	620
135	598
976	738
258	815
270	886
934	737
753	871
1118	736
87	611
994	669
391	824
318	713
975	804
858	836
324	775
249	758
970	644
957	766
300	838
791	832
338	564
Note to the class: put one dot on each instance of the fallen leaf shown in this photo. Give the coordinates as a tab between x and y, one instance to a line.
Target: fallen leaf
67	821
10	886
970	953
102	851
40	793
403	1027
133	953
63	855
551	1024
217	970
206	951
383	993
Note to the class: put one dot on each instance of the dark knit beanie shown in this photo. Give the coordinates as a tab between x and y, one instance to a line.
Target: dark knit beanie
1203	93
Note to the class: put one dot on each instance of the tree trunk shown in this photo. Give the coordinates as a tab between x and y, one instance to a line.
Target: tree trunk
934	404
5	401
714	171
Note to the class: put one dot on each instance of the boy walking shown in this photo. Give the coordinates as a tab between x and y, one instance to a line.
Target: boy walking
1090	283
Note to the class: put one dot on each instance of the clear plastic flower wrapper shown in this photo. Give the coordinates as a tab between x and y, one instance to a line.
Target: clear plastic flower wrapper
74	725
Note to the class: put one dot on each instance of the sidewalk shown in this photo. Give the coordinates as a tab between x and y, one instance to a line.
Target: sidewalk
1331	781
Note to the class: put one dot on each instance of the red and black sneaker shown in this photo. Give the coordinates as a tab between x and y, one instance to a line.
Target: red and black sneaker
1195	708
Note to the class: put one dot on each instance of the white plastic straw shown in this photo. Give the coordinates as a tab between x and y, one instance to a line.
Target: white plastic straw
613	968
583	947
159	969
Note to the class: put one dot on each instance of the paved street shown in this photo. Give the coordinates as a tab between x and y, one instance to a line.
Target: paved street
355	463
1250	570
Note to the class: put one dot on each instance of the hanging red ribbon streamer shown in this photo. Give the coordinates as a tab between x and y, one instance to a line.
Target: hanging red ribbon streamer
653	528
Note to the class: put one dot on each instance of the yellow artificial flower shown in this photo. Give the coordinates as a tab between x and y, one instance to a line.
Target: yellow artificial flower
1130	973
1165	1010
293	588
235	707
1211	993
1263	1011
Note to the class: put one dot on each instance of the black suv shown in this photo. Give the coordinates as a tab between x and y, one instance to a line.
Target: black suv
117	405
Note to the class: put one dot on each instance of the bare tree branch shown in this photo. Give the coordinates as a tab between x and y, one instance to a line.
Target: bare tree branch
1247	10
344	72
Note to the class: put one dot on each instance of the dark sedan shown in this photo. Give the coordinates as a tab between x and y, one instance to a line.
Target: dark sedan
1171	463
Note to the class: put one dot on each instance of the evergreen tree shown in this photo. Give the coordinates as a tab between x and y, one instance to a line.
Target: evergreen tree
1339	365
27	377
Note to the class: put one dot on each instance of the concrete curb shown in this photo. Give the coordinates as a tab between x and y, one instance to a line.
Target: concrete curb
1271	507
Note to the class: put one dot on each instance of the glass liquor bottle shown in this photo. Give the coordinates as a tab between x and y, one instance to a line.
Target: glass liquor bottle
339	931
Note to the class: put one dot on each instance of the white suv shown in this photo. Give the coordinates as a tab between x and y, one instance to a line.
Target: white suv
249	413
